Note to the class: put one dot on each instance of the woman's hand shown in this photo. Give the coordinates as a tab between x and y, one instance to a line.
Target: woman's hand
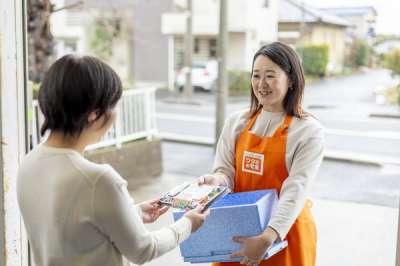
197	216
210	180
254	248
151	210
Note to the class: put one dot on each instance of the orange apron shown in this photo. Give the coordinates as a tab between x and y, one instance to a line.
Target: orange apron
261	164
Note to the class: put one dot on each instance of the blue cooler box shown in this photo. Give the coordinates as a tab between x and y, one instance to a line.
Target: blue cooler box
237	214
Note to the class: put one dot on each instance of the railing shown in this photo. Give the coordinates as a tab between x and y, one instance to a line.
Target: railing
135	119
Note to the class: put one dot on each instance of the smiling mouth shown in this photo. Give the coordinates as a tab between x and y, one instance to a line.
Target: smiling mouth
265	92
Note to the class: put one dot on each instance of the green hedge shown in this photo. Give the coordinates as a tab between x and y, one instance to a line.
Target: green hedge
315	59
392	61
359	54
239	82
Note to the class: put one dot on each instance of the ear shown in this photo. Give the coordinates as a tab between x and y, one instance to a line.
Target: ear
290	83
92	117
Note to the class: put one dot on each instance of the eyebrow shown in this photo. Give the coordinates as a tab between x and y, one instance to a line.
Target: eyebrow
268	70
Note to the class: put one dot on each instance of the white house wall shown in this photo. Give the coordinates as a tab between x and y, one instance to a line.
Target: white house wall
236	57
12	243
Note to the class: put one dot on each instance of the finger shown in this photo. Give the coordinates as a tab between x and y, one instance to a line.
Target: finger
237	254
199	208
201	180
154	201
163	210
239	239
206	213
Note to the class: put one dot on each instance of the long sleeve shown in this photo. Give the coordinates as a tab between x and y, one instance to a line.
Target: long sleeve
224	162
306	162
118	218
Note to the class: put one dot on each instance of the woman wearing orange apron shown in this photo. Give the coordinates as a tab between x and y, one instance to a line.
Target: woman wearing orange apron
274	145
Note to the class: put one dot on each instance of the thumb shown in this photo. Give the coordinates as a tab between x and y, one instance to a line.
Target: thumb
206	213
237	254
201	180
199	208
154	201
239	239
163	210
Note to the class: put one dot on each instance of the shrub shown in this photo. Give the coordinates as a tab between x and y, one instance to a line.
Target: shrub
239	82
392	61
359	54
315	59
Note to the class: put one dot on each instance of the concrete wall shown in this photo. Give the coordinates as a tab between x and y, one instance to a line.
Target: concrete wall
138	162
150	57
236	57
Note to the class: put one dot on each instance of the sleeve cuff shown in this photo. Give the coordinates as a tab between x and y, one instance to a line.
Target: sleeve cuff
183	228
139	210
280	234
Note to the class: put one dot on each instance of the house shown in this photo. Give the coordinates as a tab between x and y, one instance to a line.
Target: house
154	47
301	24
75	30
363	20
250	24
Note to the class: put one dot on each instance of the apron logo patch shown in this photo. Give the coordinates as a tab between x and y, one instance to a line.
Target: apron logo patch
253	163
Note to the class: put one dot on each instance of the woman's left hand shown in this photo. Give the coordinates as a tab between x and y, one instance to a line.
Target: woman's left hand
151	210
254	248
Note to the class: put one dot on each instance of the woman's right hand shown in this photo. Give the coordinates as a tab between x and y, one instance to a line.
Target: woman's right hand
197	216
209	180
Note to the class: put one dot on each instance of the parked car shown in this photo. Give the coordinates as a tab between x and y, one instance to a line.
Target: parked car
204	76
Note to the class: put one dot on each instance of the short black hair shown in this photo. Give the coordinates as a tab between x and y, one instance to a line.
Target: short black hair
73	87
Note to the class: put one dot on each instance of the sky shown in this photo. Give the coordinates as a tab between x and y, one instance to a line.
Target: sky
388	19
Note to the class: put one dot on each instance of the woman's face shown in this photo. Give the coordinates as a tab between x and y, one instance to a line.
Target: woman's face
270	84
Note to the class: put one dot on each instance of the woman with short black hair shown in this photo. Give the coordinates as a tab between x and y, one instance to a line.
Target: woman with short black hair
77	212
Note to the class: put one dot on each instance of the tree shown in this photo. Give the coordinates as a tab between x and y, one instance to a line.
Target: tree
40	39
107	30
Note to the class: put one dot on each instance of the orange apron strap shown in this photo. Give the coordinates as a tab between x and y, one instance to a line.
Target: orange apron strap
282	129
252	121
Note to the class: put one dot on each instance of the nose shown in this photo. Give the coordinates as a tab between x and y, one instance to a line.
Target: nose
262	82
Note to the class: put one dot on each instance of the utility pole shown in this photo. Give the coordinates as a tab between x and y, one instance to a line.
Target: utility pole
302	29
188	91
221	90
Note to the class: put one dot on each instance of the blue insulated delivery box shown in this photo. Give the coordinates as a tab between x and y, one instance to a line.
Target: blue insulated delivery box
237	214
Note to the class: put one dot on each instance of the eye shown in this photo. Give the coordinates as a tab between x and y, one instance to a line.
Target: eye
270	76
256	76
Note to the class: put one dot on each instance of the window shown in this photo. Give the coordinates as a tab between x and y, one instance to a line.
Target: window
212	47
196	45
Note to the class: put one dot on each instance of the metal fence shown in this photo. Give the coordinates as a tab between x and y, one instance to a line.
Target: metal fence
135	119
